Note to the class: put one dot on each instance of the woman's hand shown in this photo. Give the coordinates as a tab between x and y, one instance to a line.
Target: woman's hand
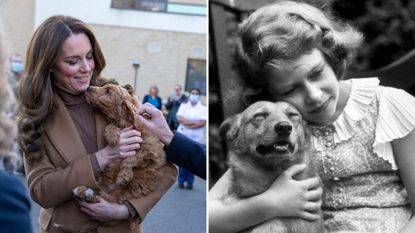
129	142
288	197
104	211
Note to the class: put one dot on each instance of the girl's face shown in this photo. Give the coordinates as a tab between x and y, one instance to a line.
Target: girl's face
75	64
309	84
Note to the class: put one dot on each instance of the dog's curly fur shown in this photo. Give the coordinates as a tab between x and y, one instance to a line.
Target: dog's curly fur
264	140
138	175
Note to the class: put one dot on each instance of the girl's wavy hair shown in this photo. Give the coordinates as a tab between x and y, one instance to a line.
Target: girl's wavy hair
277	34
36	87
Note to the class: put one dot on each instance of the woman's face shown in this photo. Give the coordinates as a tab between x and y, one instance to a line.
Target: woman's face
309	84
153	91
75	64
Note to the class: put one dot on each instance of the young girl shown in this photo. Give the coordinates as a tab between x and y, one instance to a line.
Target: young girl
362	132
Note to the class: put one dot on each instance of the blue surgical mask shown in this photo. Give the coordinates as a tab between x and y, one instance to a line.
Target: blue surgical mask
194	98
17	67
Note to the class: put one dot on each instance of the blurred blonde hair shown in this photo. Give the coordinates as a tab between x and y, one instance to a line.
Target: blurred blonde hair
7	103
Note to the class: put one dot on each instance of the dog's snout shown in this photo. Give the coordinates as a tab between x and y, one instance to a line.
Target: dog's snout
283	128
89	88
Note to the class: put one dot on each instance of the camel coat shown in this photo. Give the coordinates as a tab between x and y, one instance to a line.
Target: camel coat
65	166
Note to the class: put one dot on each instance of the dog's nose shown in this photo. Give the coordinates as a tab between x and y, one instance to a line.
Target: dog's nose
283	128
89	88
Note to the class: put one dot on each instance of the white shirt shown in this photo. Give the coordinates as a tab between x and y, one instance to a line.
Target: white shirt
193	113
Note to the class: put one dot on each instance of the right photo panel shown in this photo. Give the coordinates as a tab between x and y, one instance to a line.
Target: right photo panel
311	116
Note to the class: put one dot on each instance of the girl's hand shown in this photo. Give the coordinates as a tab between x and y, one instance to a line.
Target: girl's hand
104	211
130	140
295	198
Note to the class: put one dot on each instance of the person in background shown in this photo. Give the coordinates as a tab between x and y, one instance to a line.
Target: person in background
173	103
192	118
14	202
153	98
62	135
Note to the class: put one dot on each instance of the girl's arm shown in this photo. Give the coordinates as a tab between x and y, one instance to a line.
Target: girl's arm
403	150
286	197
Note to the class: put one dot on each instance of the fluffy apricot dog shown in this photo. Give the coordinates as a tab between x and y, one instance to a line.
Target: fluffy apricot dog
134	176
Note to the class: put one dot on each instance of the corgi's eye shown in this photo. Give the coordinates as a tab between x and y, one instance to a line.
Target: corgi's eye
107	91
260	116
293	115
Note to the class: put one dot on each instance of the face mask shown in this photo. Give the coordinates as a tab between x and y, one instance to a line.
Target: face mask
194	98
17	67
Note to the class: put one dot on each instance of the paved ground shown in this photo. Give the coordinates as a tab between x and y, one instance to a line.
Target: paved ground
180	211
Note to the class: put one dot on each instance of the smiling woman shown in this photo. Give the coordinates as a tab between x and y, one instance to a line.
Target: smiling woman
62	136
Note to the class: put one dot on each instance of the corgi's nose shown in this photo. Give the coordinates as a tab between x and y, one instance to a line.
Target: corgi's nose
283	128
89	88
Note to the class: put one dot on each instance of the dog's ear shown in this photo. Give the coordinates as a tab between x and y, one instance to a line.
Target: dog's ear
230	127
129	88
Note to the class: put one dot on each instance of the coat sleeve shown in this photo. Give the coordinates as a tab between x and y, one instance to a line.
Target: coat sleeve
144	204
188	154
15	205
51	186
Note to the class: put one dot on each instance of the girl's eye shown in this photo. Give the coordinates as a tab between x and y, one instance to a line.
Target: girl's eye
316	75
289	92
89	57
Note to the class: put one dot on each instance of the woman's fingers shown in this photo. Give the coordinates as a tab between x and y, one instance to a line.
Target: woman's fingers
127	129
130	133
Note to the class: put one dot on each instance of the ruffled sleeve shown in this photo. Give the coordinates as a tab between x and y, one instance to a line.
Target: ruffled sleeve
396	119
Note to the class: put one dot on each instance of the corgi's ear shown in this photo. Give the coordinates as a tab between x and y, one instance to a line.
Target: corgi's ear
230	127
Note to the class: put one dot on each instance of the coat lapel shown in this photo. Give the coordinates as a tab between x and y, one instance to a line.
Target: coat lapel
63	134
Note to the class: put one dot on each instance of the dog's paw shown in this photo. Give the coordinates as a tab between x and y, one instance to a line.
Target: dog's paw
124	177
112	134
84	193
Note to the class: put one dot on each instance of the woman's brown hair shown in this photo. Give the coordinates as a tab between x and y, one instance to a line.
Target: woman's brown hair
36	86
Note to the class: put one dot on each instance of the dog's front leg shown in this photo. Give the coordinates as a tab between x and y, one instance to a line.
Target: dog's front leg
112	134
126	172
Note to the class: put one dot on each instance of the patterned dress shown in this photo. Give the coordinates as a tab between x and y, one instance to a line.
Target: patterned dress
354	157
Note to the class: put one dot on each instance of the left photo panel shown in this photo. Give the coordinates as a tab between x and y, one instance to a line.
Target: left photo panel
104	116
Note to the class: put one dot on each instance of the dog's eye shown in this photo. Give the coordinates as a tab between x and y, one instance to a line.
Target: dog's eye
293	115
107	91
260	116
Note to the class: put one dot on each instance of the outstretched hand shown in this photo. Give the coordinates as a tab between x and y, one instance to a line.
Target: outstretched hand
154	120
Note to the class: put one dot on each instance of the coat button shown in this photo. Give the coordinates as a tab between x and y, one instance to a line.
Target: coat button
132	226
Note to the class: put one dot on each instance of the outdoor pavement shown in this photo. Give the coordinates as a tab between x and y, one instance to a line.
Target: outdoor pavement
179	211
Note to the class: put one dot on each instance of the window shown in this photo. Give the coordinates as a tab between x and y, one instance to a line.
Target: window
190	7
196	75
